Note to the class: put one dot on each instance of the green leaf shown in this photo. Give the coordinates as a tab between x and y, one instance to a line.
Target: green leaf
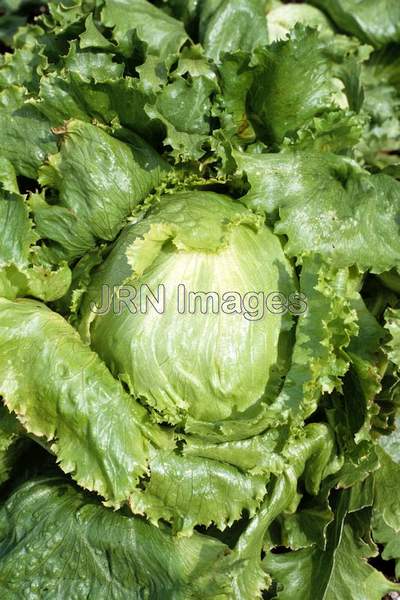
60	390
96	66
189	490
185	110
101	435
97	552
23	67
307	526
386	512
322	332
363	20
236	80
309	453
300	185
70	96
335	132
338	573
364	381
18	234
93	38
25	135
24	269
8	179
229	26
281	103
100	181
259	454
162	34
387	481
381	81
67	18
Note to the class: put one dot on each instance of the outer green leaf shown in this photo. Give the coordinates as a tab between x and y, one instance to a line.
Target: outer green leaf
391	444
227	26
71	96
335	132
103	437
67	18
364	383
162	34
62	391
301	185
22	67
282	103
8	179
100	180
18	234
93	38
311	452
23	269
360	17
185	110
187	491
259	454
236	79
25	135
98	66
97	553
381	80
307	526
338	573
322	333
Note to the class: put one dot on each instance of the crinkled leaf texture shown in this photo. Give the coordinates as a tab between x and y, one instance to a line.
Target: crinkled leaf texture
97	431
57	542
381	82
100	180
214	420
100	434
162	34
326	204
25	135
281	103
229	26
24	269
